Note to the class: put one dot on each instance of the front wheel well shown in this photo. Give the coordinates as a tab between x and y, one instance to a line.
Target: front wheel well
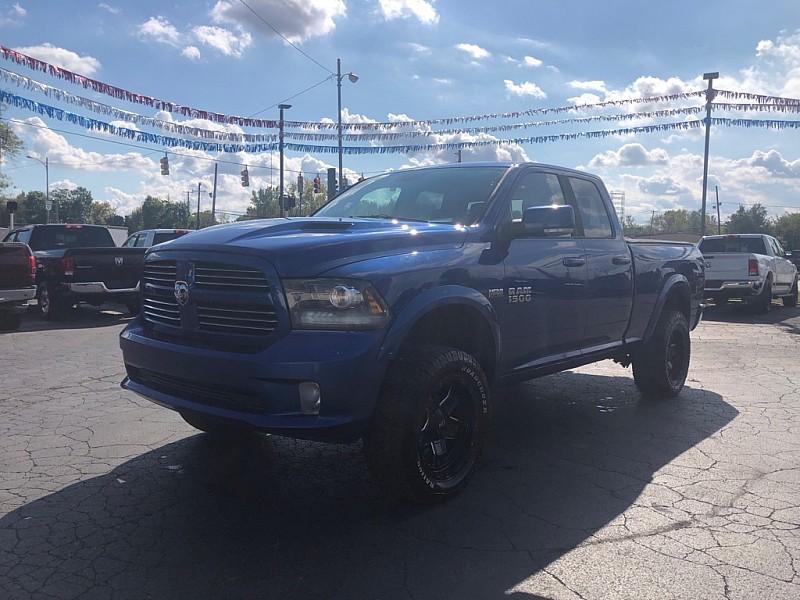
680	299
456	326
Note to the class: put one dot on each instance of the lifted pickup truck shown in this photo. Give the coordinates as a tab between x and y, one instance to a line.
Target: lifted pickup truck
17	275
392	313
80	263
751	267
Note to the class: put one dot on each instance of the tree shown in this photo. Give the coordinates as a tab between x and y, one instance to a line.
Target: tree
10	147
102	213
748	220
73	206
31	208
264	202
155	213
787	227
633	229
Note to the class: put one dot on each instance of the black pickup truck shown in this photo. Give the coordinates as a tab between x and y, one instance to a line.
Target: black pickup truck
17	274
80	263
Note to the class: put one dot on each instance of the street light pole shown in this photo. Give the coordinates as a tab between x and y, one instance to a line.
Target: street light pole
710	77
282	107
719	223
197	222
353	78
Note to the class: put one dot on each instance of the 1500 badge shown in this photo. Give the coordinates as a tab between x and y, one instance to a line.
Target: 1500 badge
515	294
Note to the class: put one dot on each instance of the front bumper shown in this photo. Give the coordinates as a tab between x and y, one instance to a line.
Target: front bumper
17	296
260	389
99	287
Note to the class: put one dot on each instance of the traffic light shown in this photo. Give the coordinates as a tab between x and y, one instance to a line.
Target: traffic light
245	177
12	206
165	165
300	185
317	185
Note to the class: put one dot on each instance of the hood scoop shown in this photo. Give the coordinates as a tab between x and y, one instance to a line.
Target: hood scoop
325	225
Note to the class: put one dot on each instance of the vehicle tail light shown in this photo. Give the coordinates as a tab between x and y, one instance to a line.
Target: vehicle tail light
32	265
68	266
752	267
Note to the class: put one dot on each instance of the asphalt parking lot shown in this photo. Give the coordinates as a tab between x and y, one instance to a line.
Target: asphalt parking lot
585	491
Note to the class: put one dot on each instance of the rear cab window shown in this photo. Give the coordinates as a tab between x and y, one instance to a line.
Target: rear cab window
591	209
70	236
733	245
166	236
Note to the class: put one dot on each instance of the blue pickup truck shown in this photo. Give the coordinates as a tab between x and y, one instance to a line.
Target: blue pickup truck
393	312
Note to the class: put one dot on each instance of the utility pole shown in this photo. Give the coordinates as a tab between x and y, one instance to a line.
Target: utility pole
188	207
214	198
458	154
282	107
197	222
353	78
719	223
652	223
710	77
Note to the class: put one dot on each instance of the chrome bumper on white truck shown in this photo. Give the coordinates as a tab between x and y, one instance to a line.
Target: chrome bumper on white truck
21	295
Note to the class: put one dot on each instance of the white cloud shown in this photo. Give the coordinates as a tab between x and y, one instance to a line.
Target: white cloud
774	164
419	48
14	15
67	59
594	85
159	29
422	10
524	88
41	141
296	19
442	81
475	51
108	8
191	52
63	184
348	117
223	40
531	61
630	155
17	10
585	98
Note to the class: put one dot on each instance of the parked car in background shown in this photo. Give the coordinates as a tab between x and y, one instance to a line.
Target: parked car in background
17	277
80	263
750	267
150	237
392	313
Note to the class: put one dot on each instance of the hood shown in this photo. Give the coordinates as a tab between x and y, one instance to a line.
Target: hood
306	247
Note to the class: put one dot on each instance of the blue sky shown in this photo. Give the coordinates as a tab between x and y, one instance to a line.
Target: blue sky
423	59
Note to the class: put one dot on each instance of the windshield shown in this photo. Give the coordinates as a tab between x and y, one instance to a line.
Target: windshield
51	237
733	245
443	195
160	238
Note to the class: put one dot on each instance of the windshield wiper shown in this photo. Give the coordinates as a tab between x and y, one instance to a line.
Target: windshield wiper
389	217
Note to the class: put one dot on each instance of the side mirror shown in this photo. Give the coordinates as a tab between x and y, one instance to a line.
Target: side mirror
550	221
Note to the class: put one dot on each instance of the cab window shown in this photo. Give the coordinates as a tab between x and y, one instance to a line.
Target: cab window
591	208
535	189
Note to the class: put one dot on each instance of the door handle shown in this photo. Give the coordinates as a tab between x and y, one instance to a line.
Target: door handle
574	261
622	259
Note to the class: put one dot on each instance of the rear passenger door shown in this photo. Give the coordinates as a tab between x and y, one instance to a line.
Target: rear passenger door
609	283
784	269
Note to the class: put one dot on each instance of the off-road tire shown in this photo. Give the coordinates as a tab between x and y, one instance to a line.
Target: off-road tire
409	413
791	299
661	364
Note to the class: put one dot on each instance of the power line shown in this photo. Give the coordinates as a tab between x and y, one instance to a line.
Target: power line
308	89
285	39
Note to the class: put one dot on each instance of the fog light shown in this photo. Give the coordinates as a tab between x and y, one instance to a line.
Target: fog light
309	398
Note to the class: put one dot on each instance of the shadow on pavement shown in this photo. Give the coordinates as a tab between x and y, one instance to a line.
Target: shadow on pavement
275	518
81	317
786	317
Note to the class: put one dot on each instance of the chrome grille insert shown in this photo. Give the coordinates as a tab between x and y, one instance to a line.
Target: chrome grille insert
160	273
226	277
241	320
161	310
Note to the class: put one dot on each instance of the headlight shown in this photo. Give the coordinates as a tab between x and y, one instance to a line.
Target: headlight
334	304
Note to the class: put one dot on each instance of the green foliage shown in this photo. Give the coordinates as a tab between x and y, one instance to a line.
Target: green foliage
156	213
749	220
72	206
264	202
787	228
10	147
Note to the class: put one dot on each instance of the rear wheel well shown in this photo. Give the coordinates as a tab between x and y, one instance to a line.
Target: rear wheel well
679	298
456	326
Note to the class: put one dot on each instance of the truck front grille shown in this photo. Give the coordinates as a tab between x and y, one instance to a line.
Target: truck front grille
222	277
161	310
237	319
160	273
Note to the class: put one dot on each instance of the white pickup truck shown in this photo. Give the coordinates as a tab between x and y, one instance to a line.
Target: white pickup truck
752	267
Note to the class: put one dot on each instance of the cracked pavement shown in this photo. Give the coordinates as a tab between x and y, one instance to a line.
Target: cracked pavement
585	491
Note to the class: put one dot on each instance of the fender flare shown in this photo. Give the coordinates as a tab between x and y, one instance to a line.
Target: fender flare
430	300
676	279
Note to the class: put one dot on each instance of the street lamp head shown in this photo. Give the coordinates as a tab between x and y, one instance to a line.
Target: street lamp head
284	106
709	76
352	77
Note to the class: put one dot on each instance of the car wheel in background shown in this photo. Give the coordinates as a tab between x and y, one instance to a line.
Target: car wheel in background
762	303
791	299
51	307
